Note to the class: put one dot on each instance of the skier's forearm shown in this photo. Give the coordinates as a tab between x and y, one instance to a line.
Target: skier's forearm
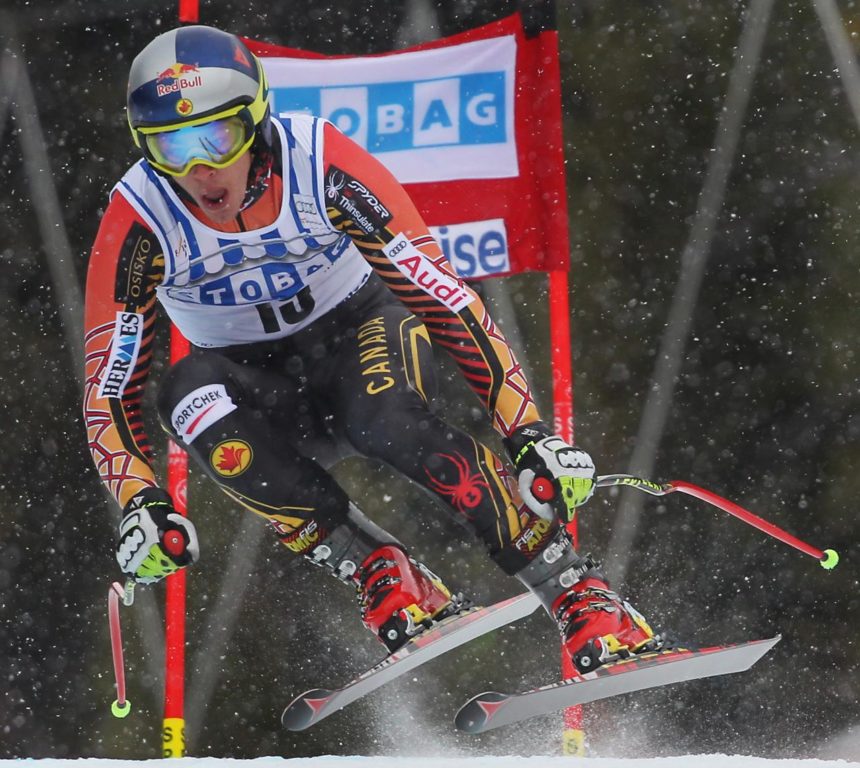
119	329
114	424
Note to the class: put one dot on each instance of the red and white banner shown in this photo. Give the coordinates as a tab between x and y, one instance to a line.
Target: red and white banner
470	124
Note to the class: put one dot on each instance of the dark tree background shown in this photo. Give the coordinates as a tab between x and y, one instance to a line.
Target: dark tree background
766	409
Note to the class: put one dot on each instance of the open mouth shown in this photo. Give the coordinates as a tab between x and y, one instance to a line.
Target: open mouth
214	200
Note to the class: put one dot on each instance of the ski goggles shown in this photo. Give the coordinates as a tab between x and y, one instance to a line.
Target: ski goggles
216	143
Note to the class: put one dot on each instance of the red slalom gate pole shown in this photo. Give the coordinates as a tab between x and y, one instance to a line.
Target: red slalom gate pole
173	733
559	329
189	11
173	730
573	735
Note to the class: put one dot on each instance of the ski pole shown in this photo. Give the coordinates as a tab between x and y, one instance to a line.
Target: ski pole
173	543
121	706
827	558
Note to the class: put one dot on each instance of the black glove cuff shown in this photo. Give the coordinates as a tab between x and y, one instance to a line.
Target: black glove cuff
150	496
524	435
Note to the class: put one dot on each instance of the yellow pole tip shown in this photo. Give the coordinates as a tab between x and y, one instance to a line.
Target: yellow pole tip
830	559
120	710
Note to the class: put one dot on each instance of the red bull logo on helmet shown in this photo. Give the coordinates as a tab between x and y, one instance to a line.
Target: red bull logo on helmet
176	77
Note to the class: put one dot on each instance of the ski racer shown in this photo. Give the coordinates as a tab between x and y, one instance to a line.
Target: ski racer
313	295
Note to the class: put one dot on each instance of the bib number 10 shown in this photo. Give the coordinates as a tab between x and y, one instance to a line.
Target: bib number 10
292	311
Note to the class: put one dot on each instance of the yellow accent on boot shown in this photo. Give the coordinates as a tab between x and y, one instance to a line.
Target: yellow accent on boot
433	579
638	620
416	616
617	648
442	588
644	626
613	645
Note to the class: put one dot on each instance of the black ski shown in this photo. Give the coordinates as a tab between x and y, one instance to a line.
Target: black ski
314	705
650	670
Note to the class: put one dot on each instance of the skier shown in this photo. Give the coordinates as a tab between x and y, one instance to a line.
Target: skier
310	290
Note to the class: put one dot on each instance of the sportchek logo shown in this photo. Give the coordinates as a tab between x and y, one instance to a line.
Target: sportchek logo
199	410
447	289
125	347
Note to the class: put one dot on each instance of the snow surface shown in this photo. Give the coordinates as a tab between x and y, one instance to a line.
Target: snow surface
685	761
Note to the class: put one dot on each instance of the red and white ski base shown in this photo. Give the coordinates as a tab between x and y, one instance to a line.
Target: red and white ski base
650	670
314	705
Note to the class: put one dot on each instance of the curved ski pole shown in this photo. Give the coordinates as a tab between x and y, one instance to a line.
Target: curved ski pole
827	558
121	706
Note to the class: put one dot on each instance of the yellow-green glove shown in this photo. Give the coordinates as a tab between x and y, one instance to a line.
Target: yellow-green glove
154	539
554	477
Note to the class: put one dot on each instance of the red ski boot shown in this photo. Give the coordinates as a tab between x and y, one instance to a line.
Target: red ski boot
399	597
598	626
